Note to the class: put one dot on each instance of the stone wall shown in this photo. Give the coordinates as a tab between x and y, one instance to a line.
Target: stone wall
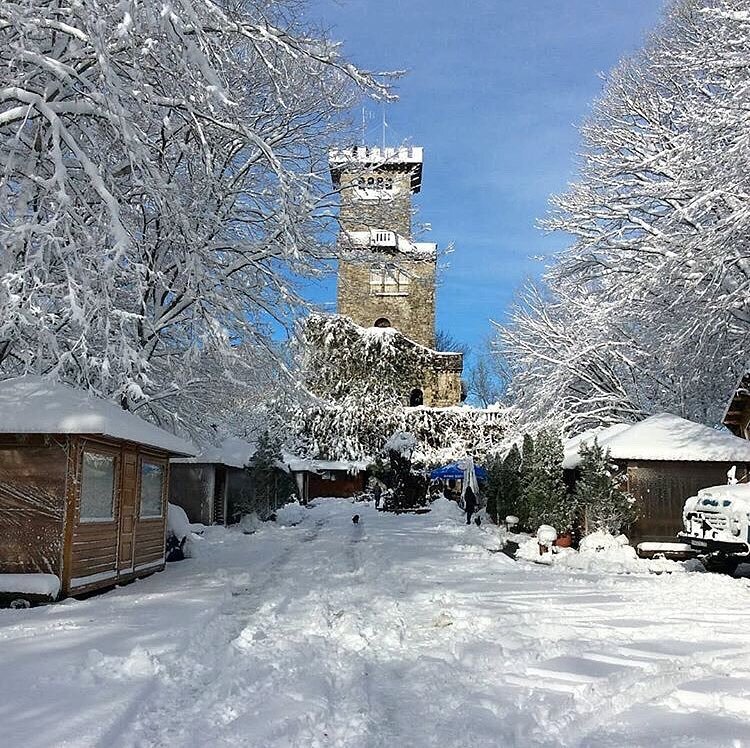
442	389
413	313
392	211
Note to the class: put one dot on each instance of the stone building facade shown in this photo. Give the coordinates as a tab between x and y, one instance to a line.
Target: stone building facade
385	278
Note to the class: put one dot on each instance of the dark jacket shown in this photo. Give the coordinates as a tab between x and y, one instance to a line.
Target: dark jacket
470	501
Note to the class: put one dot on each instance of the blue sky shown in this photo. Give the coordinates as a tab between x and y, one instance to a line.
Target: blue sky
495	92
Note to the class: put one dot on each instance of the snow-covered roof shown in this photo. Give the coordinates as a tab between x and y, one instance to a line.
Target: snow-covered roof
665	437
304	465
374	155
232	452
32	405
572	446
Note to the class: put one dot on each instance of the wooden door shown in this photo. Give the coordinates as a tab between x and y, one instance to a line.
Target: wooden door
128	494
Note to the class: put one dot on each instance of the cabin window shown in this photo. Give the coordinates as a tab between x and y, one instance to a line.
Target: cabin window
152	489
97	487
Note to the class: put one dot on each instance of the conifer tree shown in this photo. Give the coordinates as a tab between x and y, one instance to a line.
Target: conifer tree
606	507
504	487
544	491
271	486
512	498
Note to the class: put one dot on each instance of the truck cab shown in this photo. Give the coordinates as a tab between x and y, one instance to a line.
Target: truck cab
717	526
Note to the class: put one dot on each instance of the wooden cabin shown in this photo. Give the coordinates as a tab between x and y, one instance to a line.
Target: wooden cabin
83	487
327	478
666	459
214	487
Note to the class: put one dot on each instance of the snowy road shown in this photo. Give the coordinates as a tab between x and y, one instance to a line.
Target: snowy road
401	631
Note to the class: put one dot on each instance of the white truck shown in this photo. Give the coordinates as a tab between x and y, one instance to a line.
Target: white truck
717	526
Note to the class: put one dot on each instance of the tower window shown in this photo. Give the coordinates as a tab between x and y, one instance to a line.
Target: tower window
416	398
387	280
382	322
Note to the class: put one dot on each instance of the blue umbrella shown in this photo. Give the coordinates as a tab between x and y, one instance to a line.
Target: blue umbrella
454	471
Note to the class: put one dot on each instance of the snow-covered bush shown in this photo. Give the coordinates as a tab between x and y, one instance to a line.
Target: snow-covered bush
291	514
250	523
406	482
544	493
269	485
503	488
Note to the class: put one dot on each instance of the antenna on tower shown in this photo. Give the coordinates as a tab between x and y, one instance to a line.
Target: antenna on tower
385	124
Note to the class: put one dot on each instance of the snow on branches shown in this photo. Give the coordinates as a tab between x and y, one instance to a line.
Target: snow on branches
163	177
648	309
357	384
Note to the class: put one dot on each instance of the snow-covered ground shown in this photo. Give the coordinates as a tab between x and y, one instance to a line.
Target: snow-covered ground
399	631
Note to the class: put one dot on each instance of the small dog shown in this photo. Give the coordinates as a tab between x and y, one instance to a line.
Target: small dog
355	519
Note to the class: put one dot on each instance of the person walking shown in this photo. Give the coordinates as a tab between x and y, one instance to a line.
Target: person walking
470	503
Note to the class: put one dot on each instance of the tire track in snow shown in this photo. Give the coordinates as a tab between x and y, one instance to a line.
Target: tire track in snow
194	675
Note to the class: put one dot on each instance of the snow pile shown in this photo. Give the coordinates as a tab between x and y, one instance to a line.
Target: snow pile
179	525
598	542
443	508
598	552
291	514
177	522
30	584
138	665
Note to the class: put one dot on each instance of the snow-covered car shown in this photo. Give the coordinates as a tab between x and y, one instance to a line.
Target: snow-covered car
717	526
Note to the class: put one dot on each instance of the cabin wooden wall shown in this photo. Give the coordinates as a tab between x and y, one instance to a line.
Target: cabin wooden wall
660	489
102	553
339	484
32	503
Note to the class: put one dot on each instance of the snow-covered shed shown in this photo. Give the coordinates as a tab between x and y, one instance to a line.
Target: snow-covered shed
666	459
83	486
327	478
212	486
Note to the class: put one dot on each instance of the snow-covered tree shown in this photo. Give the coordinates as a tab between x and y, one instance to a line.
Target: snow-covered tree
544	493
602	502
648	307
163	178
356	385
503	491
271	487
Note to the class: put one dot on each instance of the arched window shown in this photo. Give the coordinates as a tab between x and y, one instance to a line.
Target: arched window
416	398
382	322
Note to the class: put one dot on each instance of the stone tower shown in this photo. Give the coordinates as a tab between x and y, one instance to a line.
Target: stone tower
385	279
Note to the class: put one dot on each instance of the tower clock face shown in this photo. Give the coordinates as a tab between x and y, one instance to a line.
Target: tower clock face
373	186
